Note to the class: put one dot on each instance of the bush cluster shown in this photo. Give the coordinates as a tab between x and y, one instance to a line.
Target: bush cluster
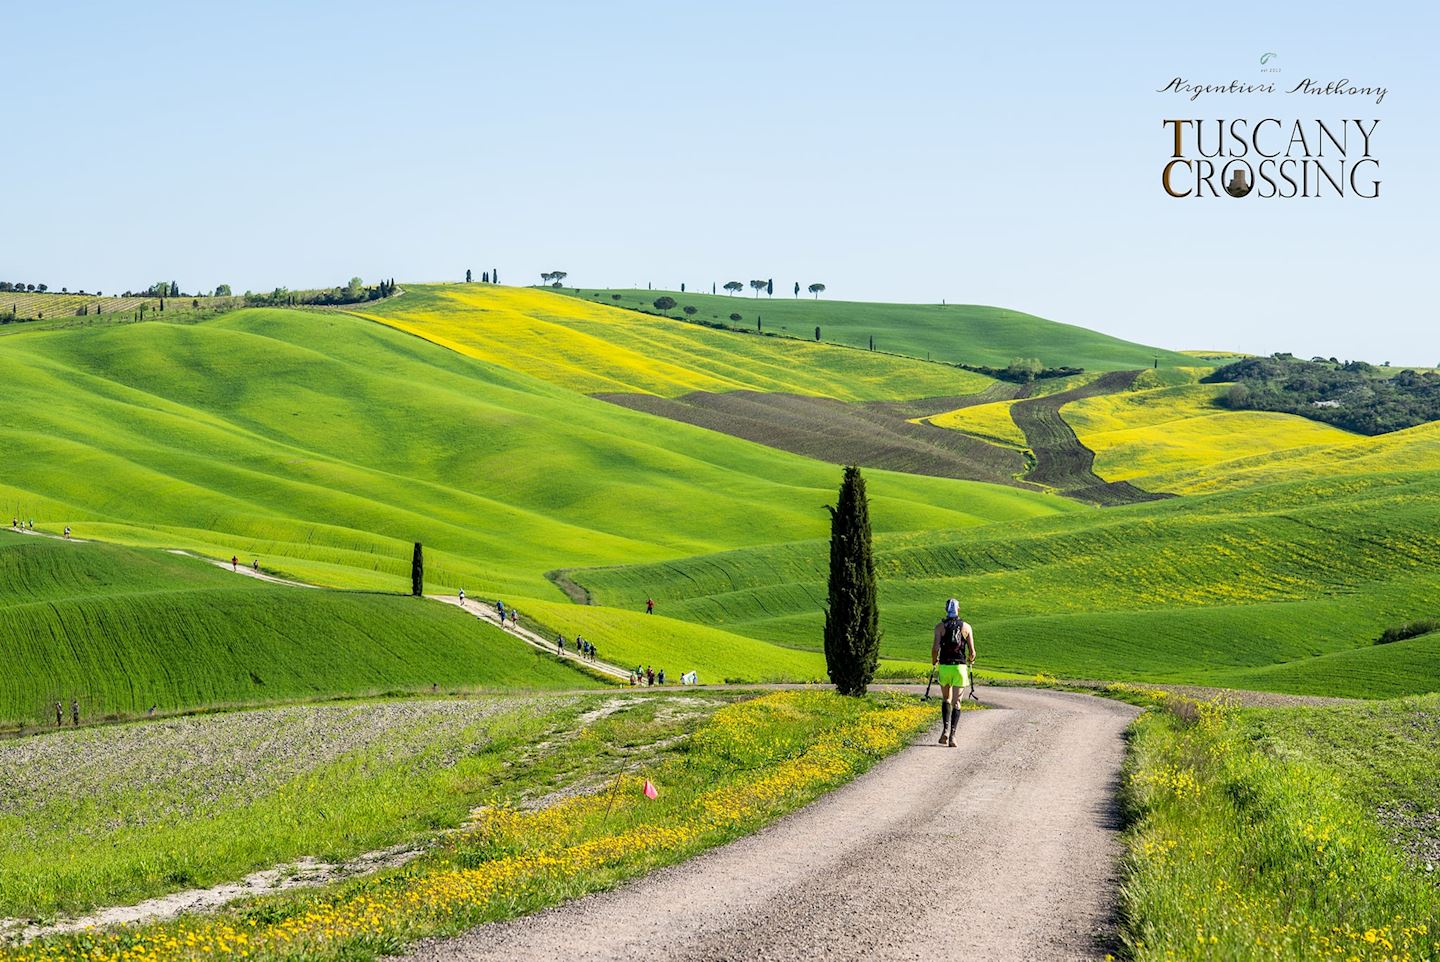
1412	630
1349	394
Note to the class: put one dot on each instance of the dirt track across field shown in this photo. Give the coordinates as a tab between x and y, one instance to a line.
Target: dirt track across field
872	434
1002	849
1061	461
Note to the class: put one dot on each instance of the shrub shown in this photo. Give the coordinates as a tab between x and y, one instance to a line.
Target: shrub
690	308
1412	630
734	317
614	297
665	303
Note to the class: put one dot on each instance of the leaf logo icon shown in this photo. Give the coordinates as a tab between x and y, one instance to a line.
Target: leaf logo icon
1266	58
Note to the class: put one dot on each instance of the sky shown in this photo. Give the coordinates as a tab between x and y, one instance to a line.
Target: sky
998	153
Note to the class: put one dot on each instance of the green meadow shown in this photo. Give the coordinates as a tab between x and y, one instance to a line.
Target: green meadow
1280	587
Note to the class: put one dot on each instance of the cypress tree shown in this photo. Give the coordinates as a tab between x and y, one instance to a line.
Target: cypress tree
417	571
467	275
817	332
852	615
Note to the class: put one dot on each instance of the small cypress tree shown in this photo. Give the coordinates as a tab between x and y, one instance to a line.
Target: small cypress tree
852	615
467	275
417	571
817	332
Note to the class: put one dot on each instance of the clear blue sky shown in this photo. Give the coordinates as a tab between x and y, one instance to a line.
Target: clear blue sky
998	153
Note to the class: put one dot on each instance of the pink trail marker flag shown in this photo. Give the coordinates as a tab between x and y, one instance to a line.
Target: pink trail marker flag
650	791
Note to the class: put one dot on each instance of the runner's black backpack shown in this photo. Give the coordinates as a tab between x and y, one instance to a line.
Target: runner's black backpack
952	645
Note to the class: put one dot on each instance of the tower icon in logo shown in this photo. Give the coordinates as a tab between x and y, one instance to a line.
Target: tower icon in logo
1239	184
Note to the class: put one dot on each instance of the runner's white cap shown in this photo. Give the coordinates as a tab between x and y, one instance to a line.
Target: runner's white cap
952	609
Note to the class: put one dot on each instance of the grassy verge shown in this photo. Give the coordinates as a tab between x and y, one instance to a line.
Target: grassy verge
748	764
1249	840
110	816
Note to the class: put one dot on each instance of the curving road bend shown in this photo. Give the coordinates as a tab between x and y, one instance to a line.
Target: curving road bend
1004	848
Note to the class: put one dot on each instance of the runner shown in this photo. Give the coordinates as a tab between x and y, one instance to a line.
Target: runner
462	597
67	532
75	711
649	606
500	607
952	653
256	565
59	715
235	563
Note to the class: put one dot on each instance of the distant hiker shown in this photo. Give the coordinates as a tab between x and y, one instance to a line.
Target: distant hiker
67	532
234	562
560	644
75	712
660	676
500	607
649	606
649	675
256	565
462	597
632	679
952	653
59	714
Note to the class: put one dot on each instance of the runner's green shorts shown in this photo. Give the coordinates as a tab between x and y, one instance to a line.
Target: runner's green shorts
952	675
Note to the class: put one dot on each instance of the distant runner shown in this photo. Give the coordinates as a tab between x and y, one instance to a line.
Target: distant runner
952	654
462	597
649	606
234	562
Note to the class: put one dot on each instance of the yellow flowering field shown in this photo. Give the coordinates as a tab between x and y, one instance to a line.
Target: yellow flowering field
750	763
593	348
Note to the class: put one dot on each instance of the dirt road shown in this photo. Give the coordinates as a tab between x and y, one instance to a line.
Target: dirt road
1002	849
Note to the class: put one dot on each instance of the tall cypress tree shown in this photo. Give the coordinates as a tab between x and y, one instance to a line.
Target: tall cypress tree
417	571
852	616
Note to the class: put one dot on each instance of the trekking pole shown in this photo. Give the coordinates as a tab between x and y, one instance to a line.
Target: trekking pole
928	683
970	665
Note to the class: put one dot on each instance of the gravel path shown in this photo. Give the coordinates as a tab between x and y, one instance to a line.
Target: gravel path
1005	848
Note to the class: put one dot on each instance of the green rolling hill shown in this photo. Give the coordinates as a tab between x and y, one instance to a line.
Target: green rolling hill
123	629
956	333
326	443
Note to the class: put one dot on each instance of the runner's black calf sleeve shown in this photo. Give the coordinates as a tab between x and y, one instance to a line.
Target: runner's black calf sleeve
944	715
